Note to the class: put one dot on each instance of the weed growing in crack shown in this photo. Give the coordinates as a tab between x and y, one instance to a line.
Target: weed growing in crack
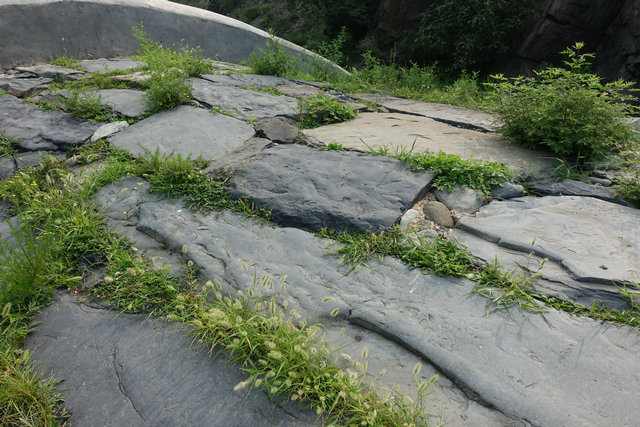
333	146
8	146
275	61
451	170
323	110
88	106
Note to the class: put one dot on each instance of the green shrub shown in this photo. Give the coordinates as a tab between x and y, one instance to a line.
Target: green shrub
275	61
565	110
323	110
86	105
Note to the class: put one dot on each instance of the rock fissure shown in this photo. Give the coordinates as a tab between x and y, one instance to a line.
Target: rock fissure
118	368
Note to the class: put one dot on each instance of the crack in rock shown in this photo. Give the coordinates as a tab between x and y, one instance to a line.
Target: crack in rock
116	365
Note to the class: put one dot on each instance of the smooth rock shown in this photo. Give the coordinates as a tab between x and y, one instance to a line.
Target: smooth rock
229	161
245	104
462	199
596	241
420	134
108	130
23	87
42	130
55	72
438	213
516	361
256	81
7	167
507	190
103	65
186	131
341	190
278	129
575	188
128	102
600	181
445	113
121	369
408	216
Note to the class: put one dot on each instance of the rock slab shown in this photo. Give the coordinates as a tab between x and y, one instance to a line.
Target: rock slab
42	130
120	369
594	240
307	188
185	130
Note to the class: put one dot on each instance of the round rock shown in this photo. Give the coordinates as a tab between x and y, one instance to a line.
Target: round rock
438	213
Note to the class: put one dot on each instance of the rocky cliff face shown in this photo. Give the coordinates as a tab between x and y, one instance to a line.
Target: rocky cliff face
610	28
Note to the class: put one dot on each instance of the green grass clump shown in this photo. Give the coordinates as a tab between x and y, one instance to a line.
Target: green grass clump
323	110
169	69
8	146
65	61
333	146
87	106
275	61
567	111
451	170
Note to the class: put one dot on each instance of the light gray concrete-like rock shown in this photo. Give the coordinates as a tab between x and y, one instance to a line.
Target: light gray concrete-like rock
450	114
548	371
120	369
245	104
594	240
42	130
128	102
340	190
108	129
406	132
186	131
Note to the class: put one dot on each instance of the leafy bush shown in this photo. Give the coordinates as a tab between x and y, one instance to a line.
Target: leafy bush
275	61
323	110
566	110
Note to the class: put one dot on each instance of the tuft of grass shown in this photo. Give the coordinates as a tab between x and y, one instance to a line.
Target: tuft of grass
275	61
223	111
323	110
87	106
451	170
333	146
65	61
8	146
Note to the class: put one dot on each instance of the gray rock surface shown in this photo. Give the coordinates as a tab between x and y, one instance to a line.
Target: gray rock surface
55	72
407	132
108	129
525	365
245	104
340	190
229	161
128	102
596	241
408	216
120	369
23	87
507	190
186	131
462	199
438	213
575	188
42	130
278	129
449	114
7	167
256	81
102	65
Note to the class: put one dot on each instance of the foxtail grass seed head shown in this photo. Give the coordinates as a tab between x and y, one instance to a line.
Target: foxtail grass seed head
184	249
417	368
240	386
108	279
328	299
335	312
6	309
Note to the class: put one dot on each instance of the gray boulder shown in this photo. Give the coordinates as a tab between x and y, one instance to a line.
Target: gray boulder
340	190
278	129
23	87
507	190
128	102
438	213
571	187
460	198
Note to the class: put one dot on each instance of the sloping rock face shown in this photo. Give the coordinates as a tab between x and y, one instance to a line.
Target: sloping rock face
307	188
111	360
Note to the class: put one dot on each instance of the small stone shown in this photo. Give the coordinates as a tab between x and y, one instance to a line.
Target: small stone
438	213
408	216
108	129
278	129
461	199
55	72
600	181
507	190
23	88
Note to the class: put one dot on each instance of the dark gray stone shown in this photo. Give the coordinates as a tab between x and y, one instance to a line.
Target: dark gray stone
23	87
278	129
53	97
574	188
229	161
7	167
507	190
34	159
594	240
102	65
460	198
128	102
438	213
256	81
55	72
120	369
516	361
245	104
42	130
340	190
186	131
